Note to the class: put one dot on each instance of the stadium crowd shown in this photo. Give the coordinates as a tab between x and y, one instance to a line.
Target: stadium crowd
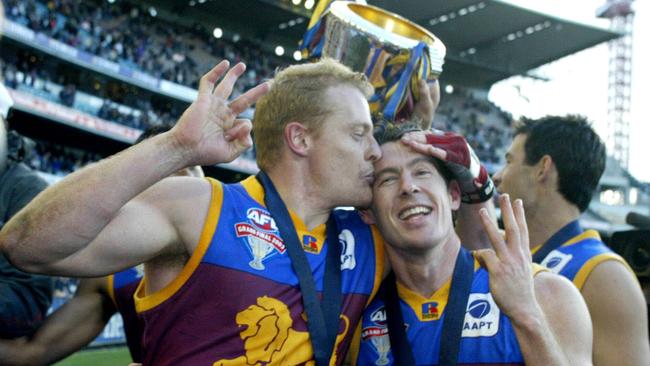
58	160
125	33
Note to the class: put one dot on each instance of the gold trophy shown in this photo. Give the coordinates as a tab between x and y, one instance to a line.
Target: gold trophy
392	51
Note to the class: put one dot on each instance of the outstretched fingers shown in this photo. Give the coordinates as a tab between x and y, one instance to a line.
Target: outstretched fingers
492	232
520	217
207	82
513	235
225	87
242	102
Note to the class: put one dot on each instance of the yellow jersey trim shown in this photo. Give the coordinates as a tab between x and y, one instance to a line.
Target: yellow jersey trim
415	300
145	302
355	345
256	191
110	290
538	268
584	272
587	234
380	259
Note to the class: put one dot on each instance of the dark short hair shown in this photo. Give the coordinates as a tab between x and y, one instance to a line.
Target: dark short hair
153	131
386	132
576	149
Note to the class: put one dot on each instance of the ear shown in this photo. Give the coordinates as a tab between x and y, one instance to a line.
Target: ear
454	193
297	138
367	216
544	168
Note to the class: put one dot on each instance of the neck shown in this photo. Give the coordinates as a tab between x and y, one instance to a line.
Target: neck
550	215
301	196
425	271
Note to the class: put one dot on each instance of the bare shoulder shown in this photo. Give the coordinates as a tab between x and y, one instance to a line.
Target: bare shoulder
548	282
567	315
611	276
608	283
549	285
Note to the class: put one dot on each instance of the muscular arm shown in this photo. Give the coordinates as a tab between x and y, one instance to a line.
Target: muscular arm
89	224
619	316
86	226
67	330
558	331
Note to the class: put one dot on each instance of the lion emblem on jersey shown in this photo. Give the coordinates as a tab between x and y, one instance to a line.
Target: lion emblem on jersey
269	337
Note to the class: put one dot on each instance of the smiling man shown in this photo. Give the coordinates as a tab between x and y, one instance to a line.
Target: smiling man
506	315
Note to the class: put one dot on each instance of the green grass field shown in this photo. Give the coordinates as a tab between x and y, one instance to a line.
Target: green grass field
118	356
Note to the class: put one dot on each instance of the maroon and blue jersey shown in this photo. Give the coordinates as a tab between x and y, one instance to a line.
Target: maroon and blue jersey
578	253
238	301
121	287
488	337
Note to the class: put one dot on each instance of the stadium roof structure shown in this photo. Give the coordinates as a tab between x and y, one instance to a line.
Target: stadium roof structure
487	40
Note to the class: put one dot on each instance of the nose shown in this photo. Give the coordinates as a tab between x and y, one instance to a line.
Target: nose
373	152
407	186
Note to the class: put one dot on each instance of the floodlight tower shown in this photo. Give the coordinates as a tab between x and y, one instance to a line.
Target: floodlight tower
621	16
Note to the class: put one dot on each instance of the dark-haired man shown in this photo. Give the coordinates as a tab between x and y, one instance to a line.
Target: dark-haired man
554	165
506	317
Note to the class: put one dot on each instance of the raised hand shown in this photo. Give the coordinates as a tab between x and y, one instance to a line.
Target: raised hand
475	183
209	131
425	107
509	263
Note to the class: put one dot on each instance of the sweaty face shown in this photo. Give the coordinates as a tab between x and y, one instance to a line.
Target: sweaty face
412	204
344	149
517	178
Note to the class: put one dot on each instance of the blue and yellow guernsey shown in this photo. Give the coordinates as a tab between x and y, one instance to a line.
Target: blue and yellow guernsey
488	337
121	288
238	302
578	253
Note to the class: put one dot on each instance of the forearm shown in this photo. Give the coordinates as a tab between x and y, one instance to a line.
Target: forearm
537	341
19	352
64	218
73	326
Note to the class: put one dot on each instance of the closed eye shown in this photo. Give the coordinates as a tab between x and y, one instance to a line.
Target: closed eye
385	181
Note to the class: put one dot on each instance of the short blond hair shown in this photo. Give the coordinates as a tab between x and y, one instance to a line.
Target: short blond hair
297	94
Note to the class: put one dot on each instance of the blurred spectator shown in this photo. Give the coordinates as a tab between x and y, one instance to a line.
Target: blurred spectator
66	95
58	160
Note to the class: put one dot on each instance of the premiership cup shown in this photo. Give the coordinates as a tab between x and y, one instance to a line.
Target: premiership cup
384	46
